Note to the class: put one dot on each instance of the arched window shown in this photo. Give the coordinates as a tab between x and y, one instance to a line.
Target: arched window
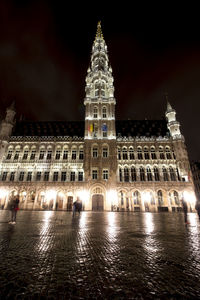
104	112
172	174
95	112
139	153
165	174
153	153
124	154
126	174
95	152
133	174
122	198
119	153
136	198
162	156
156	174
160	197
168	153
120	175
105	151
176	198
152	199
146	153
131	153
149	174
142	174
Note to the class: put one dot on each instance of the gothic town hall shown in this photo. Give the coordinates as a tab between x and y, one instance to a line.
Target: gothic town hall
133	165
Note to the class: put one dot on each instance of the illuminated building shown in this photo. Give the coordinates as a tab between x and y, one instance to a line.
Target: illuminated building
135	165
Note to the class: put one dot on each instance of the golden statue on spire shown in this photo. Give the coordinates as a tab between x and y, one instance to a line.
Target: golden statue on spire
99	34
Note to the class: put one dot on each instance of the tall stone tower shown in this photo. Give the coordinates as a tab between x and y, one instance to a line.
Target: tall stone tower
100	133
178	142
99	101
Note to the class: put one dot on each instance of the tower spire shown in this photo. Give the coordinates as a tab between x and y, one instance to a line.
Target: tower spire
99	34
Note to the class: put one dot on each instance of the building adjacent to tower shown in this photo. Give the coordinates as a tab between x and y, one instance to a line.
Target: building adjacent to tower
134	165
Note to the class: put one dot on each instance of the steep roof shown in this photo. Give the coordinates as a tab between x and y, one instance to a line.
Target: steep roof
127	128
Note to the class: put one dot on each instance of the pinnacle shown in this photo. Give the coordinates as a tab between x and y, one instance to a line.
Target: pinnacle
99	34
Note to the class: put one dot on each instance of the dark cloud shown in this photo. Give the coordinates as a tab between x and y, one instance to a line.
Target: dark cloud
45	51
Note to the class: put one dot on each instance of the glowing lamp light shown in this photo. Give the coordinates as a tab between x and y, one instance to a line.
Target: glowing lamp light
112	196
3	193
189	197
51	194
83	195
147	197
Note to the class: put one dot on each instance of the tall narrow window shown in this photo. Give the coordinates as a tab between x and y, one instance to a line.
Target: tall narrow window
33	153
162	156
73	154
105	152
94	174
95	152
25	155
80	176
133	174
46	176
29	176
156	174
104	113
105	174
136	198
149	174
122	198
168	153
95	113
124	154
38	176
9	155
72	176
142	174
81	154
126	174
49	154
21	176
131	153
65	154
63	176
176	198
146	153
119	153
160	197
165	174
139	153
153	153
172	174
58	152
41	156
12	176
16	157
120	175
55	176
4	176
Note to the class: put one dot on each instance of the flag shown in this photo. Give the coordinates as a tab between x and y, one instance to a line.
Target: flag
104	127
91	127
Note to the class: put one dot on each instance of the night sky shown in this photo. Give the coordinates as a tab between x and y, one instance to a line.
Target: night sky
45	51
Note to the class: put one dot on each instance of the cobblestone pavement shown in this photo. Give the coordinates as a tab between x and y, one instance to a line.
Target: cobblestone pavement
110	255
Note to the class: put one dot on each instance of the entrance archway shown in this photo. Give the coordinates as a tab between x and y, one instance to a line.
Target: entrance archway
97	202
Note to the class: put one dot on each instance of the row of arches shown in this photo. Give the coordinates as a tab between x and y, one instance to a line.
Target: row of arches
148	173
128	153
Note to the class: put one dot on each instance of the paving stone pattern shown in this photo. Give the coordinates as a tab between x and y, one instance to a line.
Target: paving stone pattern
109	255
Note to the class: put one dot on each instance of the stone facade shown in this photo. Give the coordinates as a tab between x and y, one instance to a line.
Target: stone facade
109	165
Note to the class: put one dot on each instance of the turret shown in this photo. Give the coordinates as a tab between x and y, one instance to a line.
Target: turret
8	123
172	124
99	100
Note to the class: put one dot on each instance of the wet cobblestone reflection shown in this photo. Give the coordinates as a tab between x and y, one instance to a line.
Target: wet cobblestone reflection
50	255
